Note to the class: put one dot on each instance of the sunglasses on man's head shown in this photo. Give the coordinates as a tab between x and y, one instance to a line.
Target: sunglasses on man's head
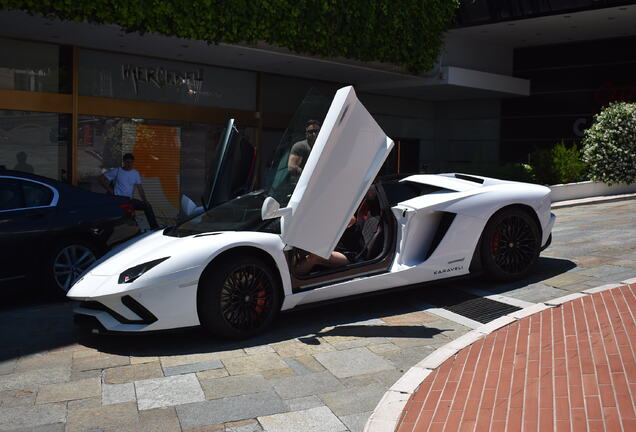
312	131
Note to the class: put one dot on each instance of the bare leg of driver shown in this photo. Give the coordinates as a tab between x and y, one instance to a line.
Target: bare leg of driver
335	260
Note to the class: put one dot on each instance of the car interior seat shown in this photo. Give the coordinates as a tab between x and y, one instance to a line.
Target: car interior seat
369	219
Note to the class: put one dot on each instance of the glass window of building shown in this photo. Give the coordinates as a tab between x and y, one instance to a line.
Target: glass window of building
35	142
174	159
125	76
34	66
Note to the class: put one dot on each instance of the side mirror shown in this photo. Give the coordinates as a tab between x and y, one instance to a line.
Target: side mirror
271	209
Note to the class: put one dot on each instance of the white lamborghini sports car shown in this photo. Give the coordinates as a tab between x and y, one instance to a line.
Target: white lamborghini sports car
232	268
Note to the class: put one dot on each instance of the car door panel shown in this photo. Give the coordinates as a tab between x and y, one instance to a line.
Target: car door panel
347	155
26	216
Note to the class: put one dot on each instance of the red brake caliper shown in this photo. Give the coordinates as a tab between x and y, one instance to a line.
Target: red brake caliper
260	299
494	243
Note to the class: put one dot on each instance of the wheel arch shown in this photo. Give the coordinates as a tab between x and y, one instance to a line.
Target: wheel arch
476	262
243	251
523	207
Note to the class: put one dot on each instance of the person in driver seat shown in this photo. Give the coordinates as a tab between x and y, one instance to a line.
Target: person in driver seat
356	244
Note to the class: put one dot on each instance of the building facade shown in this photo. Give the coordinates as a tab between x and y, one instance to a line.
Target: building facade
75	96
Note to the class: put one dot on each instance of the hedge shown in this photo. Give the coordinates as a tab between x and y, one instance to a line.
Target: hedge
406	32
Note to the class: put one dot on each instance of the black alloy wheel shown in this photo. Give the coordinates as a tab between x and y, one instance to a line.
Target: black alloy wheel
246	297
238	298
510	245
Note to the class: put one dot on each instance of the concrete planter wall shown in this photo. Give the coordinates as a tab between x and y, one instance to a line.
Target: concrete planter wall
586	189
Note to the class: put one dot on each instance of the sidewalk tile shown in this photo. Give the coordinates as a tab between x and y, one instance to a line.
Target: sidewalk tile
565	279
271	374
17	398
143	359
130	373
82	404
180	360
8	366
261	349
408	319
306	385
319	419
354	400
295	348
168	391
219	388
304	365
31	417
48	360
243	426
356	422
118	393
99	361
383	348
153	420
109	416
212	373
303	403
235	408
34	378
356	361
253	364
193	367
69	391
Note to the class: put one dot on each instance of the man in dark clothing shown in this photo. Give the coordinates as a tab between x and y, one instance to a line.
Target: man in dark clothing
301	149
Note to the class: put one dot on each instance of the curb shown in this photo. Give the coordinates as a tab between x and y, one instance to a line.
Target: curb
592	200
387	413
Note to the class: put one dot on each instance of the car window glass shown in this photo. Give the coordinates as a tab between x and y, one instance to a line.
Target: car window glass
10	194
36	195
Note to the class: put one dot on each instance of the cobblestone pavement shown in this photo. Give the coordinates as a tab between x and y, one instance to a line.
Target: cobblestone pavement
321	369
568	367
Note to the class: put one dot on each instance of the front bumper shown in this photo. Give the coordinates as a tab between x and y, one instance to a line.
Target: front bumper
100	319
164	303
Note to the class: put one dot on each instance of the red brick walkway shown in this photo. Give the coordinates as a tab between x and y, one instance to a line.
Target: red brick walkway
568	368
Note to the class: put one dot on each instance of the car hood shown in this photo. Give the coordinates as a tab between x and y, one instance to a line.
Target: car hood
144	249
184	252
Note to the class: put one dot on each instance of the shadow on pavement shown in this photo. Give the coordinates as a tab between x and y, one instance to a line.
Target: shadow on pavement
31	329
381	331
352	318
545	268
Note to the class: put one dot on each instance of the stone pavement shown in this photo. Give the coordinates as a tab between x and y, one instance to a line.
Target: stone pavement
569	367
321	369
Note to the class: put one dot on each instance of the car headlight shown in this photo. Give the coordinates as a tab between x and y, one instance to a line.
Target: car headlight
133	273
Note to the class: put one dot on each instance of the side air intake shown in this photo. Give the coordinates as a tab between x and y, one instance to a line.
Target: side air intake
442	229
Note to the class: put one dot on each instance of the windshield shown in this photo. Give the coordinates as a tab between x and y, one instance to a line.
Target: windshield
282	172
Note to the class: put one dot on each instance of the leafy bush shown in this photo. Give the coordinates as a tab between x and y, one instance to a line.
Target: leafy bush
408	33
558	164
610	144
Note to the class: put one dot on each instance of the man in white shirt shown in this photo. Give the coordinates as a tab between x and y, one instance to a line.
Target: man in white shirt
123	181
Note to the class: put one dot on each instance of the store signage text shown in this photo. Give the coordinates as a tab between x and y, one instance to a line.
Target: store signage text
162	77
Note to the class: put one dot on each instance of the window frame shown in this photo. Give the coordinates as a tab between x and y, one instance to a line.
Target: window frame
54	199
